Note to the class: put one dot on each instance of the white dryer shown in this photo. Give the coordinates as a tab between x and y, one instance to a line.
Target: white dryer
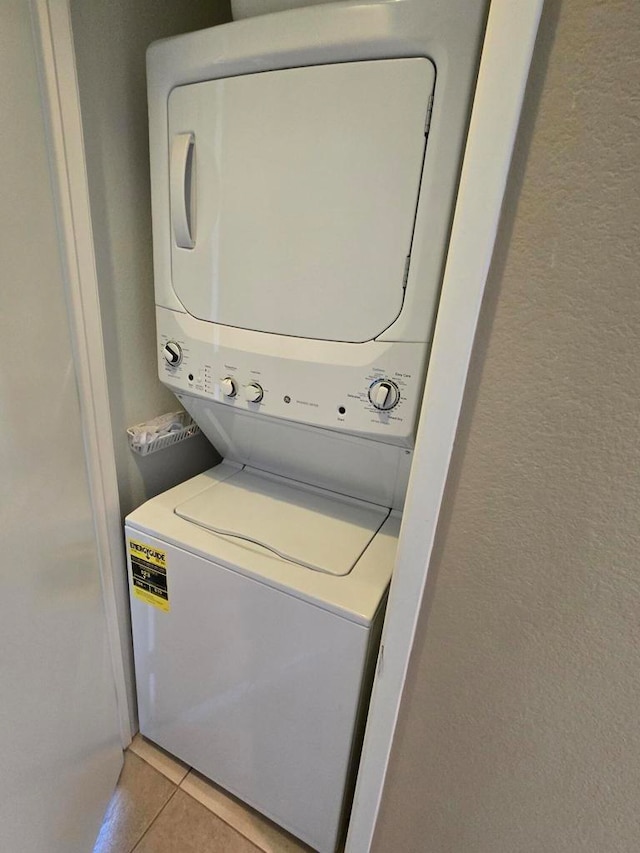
304	167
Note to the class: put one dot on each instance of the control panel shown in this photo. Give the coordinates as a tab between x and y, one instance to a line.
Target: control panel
369	389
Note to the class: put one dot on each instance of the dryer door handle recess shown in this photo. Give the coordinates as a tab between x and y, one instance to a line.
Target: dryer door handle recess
182	187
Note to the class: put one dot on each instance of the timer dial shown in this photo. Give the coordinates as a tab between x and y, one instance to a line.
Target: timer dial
253	393
384	394
172	353
229	387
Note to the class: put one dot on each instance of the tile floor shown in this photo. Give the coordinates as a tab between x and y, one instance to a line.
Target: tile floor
163	806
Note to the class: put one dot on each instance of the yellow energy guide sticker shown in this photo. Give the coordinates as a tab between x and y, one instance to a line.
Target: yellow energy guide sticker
149	574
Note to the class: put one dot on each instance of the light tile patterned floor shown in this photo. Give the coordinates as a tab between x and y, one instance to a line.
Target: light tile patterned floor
162	806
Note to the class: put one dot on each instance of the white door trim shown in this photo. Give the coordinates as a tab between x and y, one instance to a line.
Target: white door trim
504	68
53	42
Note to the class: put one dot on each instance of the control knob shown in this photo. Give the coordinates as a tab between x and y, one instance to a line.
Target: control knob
253	393
384	394
172	353
229	387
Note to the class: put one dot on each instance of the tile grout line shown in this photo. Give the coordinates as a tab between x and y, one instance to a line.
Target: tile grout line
138	842
179	787
221	819
219	816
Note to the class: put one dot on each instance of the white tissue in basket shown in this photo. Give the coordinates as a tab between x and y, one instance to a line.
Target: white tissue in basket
144	434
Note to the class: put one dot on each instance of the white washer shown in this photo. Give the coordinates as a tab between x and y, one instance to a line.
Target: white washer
253	668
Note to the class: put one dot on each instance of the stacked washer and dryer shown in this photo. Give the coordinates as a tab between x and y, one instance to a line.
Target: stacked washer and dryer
304	168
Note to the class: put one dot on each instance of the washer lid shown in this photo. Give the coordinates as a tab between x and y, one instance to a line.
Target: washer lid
294	193
316	529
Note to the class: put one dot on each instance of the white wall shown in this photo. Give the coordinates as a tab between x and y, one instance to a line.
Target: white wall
59	739
519	726
111	37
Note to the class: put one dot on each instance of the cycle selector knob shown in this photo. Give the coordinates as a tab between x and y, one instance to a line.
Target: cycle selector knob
172	353
229	387
253	393
384	394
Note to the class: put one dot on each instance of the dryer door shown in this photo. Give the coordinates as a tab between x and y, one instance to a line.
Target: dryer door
293	196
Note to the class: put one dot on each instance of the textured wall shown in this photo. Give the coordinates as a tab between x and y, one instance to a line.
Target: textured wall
519	728
111	37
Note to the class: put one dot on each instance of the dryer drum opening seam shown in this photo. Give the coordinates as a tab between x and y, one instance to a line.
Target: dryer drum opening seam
233	535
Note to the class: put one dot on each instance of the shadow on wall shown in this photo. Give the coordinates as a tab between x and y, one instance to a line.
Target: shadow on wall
110	40
166	468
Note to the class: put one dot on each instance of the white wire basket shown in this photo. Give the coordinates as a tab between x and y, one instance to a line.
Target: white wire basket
162	432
